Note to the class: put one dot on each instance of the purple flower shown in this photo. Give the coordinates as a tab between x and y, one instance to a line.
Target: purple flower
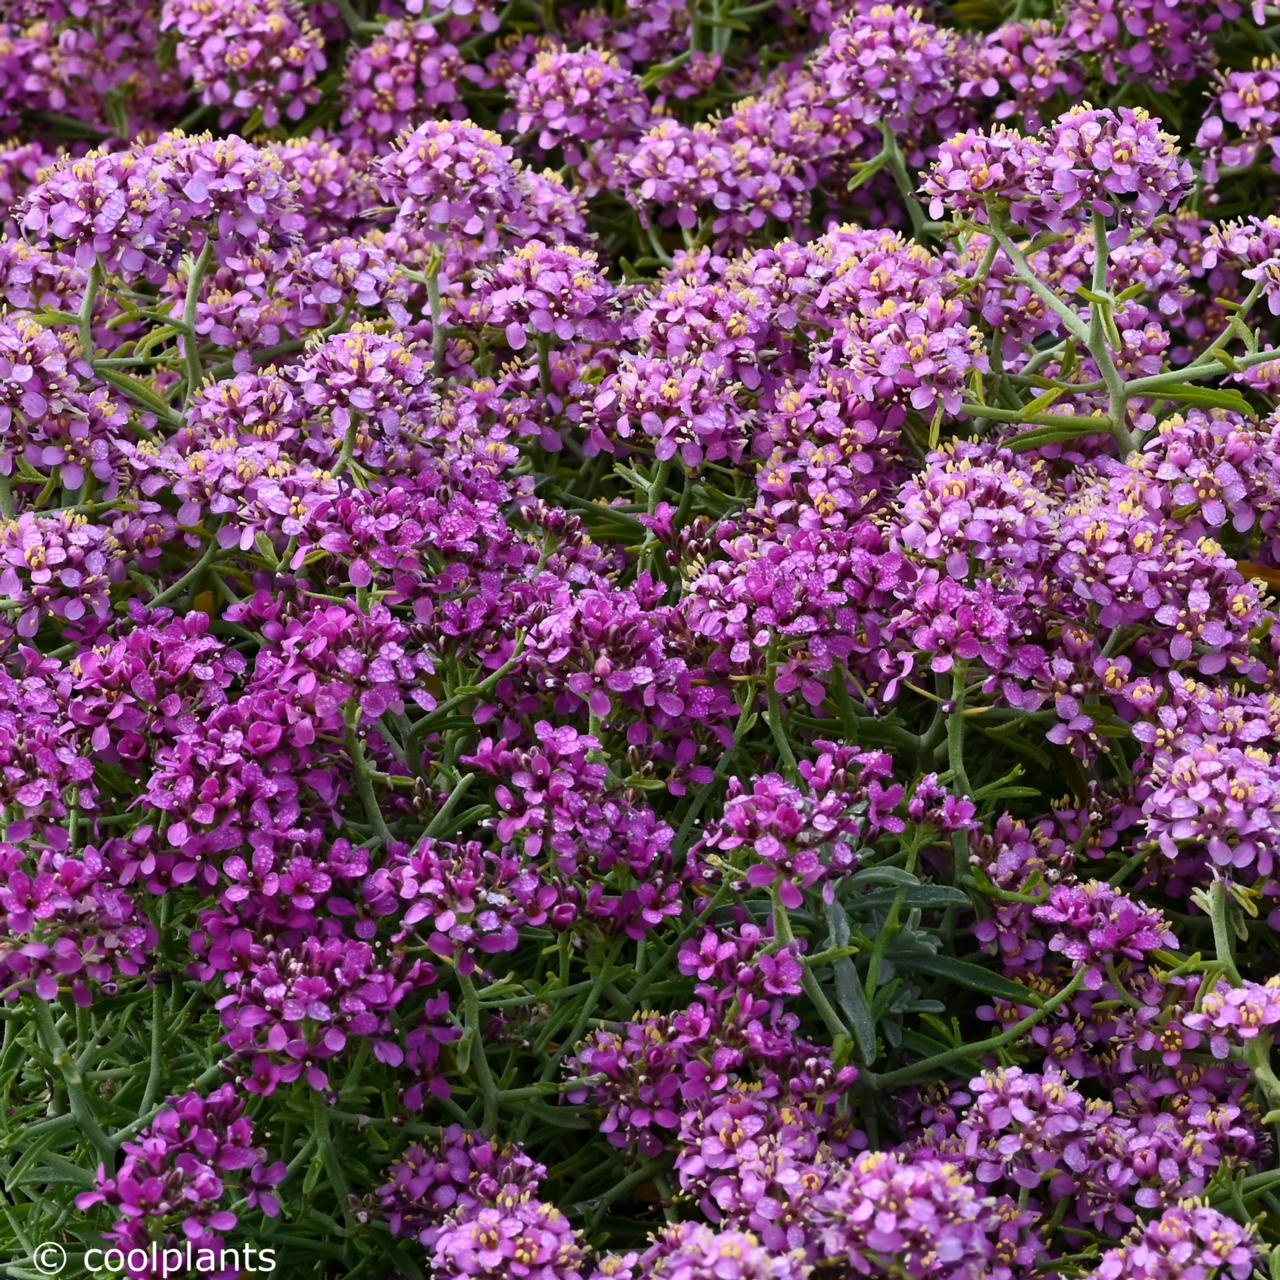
549	290
453	1177
693	1251
1107	162
796	839
180	1175
241	54
291	1008
468	904
515	1235
584	103
128	207
1187	1242
451	176
59	566
648	1069
688	407
1219	802
1098	928
757	1163
1236	1015
891	1214
886	63
406	70
67	923
975	167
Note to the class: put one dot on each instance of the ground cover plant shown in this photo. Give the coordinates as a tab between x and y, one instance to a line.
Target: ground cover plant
639	640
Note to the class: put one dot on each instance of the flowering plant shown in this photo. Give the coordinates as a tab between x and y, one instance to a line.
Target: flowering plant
640	640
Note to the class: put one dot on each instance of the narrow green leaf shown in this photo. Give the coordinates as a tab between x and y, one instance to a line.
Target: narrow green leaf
138	392
924	896
1071	429
853	1004
895	876
1204	397
973	976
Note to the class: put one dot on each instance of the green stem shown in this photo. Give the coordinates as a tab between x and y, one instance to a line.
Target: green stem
446	811
92	281
830	956
364	784
348	447
1231	328
1222	945
77	1097
437	329
1069	318
955	731
885	935
544	1087
906	188
152	1086
1194	372
355	24
775	711
1103	422
190	343
1257	1054
784	934
464	693
1099	344
479	1059
211	553
329	1153
921	1070
636	1178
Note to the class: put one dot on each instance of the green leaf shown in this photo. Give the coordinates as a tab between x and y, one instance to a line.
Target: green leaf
924	896
1204	397
881	875
981	13
460	821
849	993
1011	792
922	1046
853	1004
157	337
49	316
863	173
30	1157
961	972
557	1117
315	1171
138	392
1071	429
838	926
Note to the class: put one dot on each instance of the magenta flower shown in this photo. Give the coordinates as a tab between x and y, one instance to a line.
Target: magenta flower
180	1175
1235	1015
451	176
1097	927
1192	1242
246	55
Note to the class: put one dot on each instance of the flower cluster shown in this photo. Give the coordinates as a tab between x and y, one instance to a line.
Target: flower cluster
640	640
175	1182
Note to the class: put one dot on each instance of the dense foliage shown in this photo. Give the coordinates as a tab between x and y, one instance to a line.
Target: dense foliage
638	641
